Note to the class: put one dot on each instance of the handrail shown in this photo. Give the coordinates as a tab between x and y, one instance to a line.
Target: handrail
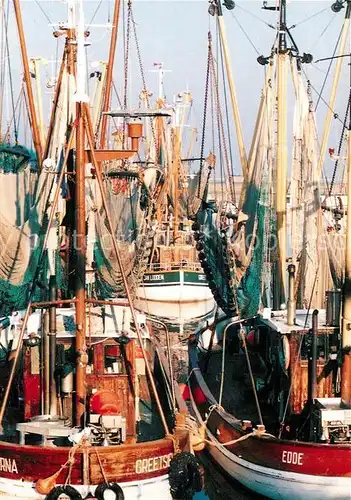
173	266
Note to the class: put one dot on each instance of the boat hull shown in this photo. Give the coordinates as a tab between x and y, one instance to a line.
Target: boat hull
280	485
141	470
178	294
275	468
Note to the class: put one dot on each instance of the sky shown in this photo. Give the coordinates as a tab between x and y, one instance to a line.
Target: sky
175	33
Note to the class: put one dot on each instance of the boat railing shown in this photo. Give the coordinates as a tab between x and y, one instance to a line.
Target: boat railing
171	266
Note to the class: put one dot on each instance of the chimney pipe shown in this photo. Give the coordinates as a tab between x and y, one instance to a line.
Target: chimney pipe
291	300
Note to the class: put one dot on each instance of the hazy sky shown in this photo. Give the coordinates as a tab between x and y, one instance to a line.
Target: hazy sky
175	33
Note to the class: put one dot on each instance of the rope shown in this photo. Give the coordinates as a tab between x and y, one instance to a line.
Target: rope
101	466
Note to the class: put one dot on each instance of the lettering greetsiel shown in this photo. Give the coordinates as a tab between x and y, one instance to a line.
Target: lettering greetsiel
144	465
292	457
8	465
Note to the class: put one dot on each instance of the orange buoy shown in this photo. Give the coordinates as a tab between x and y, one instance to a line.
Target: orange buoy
105	403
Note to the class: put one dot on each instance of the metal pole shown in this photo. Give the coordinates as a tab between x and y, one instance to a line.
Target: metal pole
111	58
32	113
312	360
46	365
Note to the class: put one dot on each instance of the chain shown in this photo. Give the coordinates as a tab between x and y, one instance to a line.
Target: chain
209	57
146	93
344	127
221	126
126	66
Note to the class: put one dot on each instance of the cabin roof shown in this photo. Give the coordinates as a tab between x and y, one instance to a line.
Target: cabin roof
278	320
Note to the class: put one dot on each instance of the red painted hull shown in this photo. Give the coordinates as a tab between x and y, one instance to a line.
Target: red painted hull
143	462
278	469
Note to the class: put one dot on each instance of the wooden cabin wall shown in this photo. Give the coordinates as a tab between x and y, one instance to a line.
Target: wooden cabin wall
299	375
120	384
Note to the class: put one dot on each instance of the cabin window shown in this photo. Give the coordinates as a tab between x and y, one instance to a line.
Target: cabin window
322	347
90	365
113	359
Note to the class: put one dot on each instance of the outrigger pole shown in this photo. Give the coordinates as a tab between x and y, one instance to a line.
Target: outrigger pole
235	107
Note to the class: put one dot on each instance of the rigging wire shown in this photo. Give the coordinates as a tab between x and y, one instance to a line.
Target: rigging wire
231	170
245	33
256	17
94	14
320	98
2	61
10	71
322	32
45	14
344	128
308	18
328	71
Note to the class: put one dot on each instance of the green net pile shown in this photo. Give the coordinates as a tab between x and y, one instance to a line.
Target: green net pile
16	157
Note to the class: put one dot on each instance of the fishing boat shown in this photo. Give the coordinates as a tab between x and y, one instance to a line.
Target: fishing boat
174	287
88	403
270	379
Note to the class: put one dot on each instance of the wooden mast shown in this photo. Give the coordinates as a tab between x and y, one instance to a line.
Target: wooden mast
32	112
346	323
36	65
111	58
282	162
238	128
80	241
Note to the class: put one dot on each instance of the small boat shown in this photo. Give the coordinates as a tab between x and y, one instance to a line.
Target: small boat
174	287
270	381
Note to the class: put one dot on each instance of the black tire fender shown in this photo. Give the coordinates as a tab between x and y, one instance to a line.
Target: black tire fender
184	476
114	487
68	490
